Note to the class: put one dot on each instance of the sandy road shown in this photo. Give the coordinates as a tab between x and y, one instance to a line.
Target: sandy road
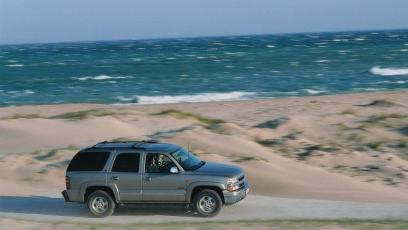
253	207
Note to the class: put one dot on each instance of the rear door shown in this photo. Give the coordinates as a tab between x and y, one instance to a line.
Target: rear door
159	185
126	174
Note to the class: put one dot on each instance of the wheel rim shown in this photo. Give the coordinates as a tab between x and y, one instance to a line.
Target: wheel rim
207	204
99	204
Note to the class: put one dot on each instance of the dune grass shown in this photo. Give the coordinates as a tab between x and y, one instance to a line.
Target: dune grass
44	156
273	124
206	122
72	116
23	116
383	117
81	115
380	103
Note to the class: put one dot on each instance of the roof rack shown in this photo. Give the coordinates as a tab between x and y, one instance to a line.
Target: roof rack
136	145
150	141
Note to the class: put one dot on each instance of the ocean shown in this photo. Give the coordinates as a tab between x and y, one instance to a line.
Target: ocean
203	69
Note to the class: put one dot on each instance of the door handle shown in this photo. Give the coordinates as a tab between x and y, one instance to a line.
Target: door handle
115	178
148	178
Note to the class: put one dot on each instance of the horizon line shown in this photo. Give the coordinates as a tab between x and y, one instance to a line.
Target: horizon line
192	37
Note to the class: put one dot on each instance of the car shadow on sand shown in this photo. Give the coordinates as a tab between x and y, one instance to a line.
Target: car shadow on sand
42	205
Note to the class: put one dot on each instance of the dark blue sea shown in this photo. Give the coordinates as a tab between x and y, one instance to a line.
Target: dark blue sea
203	69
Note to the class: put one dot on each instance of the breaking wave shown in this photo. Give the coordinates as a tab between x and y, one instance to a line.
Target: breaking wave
203	97
376	70
99	77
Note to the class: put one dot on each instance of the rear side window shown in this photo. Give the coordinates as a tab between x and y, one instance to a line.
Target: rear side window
126	162
88	161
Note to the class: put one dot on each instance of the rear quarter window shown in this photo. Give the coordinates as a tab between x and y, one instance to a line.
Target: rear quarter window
126	162
88	161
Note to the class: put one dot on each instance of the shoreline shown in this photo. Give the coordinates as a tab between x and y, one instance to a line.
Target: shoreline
215	101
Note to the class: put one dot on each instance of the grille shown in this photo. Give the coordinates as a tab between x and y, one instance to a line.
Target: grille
241	178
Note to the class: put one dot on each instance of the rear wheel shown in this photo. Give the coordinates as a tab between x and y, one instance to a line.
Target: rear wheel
101	204
207	203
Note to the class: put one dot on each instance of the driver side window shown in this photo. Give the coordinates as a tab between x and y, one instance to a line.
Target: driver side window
158	163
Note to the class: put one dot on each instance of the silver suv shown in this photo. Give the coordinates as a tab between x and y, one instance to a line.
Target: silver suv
115	173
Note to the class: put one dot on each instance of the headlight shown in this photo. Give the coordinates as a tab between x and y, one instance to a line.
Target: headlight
232	185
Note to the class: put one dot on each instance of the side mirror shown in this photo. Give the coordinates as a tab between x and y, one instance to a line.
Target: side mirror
174	170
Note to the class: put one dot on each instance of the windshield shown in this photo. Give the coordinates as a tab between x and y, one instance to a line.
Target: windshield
187	160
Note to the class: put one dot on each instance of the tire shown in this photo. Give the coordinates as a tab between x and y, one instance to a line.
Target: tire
100	204
207	203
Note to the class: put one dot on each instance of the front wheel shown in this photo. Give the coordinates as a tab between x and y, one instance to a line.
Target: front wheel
208	203
101	204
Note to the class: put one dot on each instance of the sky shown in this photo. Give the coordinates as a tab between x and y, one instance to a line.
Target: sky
41	21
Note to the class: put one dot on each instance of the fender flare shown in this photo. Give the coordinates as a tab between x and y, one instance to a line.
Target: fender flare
190	187
112	187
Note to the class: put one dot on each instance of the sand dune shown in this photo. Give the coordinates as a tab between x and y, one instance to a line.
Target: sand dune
343	147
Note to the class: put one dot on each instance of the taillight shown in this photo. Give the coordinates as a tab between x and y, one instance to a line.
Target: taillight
67	182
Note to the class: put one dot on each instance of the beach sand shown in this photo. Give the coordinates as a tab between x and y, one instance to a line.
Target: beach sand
340	147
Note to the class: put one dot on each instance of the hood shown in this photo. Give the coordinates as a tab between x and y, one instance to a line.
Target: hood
217	169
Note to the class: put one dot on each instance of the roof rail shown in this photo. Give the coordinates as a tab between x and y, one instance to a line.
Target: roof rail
150	141
138	145
94	146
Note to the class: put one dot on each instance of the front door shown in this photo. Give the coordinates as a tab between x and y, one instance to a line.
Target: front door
126	175
159	184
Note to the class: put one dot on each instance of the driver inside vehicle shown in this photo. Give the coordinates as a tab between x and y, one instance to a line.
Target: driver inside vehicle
158	163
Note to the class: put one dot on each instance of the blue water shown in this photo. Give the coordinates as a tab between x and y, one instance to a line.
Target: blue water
203	69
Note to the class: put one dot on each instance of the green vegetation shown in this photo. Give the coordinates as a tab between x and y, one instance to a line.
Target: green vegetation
293	135
122	139
380	103
270	142
390	181
73	116
273	124
47	155
374	145
39	155
339	167
81	115
402	144
206	122
244	158
348	112
369	168
384	116
168	133
60	164
23	116
307	151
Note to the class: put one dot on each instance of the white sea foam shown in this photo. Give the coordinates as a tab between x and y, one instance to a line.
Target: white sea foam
15	65
340	40
28	91
99	77
321	61
203	97
313	91
389	71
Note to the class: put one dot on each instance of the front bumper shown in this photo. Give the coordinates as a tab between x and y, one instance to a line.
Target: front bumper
65	195
235	196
